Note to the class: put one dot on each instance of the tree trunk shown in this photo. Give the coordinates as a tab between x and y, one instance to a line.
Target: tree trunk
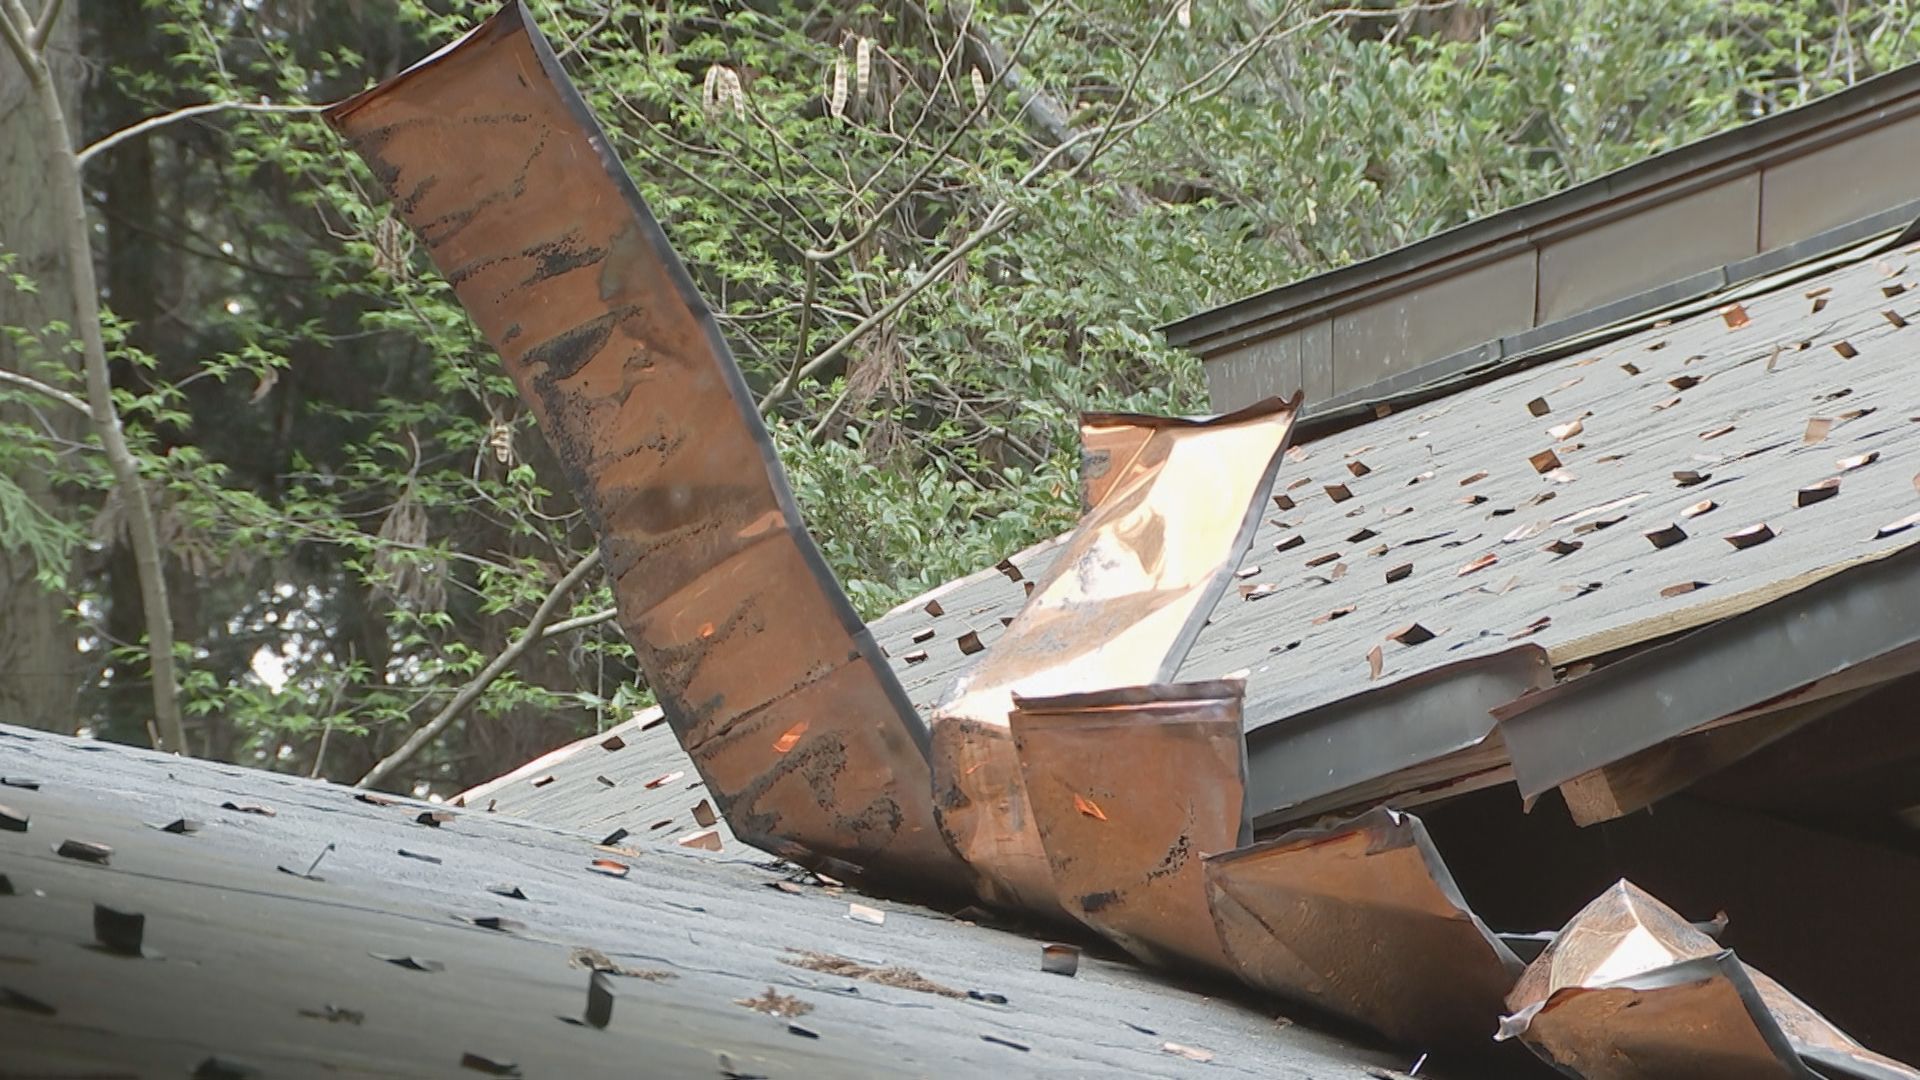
41	668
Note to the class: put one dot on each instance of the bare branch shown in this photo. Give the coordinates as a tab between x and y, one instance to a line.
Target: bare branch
44	27
53	392
567	626
135	130
15	35
471	692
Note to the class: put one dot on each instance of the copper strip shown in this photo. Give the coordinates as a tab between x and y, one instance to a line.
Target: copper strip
1176	507
1628	990
772	683
1363	920
1129	789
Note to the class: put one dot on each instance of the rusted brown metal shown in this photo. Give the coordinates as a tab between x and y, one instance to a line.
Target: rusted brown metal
772	683
1176	504
1629	990
1363	920
1129	789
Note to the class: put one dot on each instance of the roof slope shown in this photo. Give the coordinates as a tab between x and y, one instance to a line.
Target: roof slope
249	960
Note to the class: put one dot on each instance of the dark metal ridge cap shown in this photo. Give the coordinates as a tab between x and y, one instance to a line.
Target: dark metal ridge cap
1551	341
1847	618
1657	179
1302	758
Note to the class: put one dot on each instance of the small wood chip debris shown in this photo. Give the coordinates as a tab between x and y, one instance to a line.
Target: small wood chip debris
703	814
1191	1053
1478	564
1893	528
1563	432
411	963
1539	407
1817	429
1339	492
1751	536
84	850
1060	959
970	642
595	960
1411	634
842	968
1715	433
1735	315
1323	559
1688	478
12	820
1857	461
1088	807
1817	492
14	999
1376	661
1473	479
1255	592
998	1041
663	781
1284	502
1400	573
1698	508
334	1014
1544	462
704	840
1845	349
1667	537
1684	382
178	826
1336	613
1289	543
1531	628
1358	468
1681	589
433	819
861	913
609	867
775	1003
248	808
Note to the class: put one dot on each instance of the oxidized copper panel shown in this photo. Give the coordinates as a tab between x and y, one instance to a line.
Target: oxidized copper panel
1129	789
1175	507
491	156
1363	920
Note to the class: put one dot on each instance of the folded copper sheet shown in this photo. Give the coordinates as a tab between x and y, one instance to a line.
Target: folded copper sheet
1362	919
1629	990
1129	789
772	683
1174	505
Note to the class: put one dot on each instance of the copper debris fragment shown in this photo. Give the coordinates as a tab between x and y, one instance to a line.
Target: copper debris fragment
1628	990
482	1063
1667	537
609	867
1411	634
84	850
1750	536
663	780
705	840
1531	628
1132	872
1817	492
1362	918
1735	315
1478	564
1060	959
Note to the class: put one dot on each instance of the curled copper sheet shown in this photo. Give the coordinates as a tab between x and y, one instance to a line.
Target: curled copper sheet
1129	789
1363	920
772	683
1628	990
1177	503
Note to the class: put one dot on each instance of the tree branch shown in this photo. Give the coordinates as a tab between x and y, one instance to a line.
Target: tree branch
53	392
44	27
471	692
581	622
135	130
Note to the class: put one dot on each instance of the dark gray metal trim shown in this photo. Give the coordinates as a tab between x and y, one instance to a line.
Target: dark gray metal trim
1322	751
1873	103
1652	696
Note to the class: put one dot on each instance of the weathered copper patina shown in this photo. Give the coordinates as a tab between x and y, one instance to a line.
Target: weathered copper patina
1129	789
1173	507
772	683
1629	990
1363	920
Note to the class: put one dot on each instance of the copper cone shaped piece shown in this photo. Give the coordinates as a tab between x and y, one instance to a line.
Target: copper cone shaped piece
1628	990
1129	788
1177	504
1363	920
770	680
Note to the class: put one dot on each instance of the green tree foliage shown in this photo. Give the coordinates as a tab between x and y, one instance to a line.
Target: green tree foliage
934	231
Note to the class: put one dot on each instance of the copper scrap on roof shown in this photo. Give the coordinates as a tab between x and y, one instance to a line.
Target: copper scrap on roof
1129	789
1174	507
1362	919
1629	990
495	161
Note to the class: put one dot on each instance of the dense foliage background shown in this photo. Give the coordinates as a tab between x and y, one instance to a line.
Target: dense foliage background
935	231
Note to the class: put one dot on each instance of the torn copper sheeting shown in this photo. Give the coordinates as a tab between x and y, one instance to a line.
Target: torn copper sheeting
1628	990
1129	789
1362	919
492	157
1131	589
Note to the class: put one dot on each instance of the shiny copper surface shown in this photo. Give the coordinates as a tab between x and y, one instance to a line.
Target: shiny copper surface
771	681
1363	920
1629	990
1129	789
1172	510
